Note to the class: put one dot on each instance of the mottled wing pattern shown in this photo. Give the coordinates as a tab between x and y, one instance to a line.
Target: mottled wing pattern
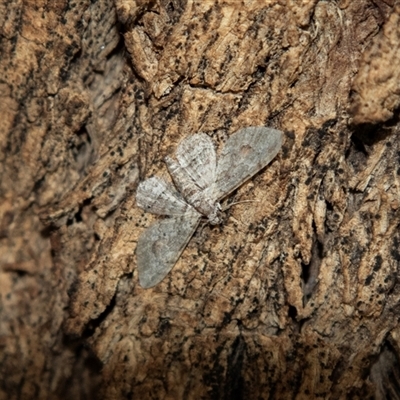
157	197
245	153
196	156
160	246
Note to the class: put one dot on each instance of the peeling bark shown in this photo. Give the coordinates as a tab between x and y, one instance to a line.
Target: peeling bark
294	295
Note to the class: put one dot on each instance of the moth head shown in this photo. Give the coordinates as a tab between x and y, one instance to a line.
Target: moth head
214	218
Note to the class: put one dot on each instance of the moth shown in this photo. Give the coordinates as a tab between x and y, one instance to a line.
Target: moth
201	182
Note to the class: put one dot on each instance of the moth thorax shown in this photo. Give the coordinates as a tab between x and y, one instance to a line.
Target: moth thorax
214	215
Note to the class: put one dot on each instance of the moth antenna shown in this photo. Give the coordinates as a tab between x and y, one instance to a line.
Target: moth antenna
239	202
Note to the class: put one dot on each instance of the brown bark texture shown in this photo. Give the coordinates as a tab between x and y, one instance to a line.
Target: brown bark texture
295	295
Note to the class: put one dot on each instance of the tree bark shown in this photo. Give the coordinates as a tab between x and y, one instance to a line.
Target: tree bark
294	295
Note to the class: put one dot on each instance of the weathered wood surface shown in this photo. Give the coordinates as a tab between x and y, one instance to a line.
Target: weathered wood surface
295	295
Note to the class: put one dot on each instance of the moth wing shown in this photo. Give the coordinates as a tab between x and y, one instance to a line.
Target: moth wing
245	153
160	246
157	197
196	155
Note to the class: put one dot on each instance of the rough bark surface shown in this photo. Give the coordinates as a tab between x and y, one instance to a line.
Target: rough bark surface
295	295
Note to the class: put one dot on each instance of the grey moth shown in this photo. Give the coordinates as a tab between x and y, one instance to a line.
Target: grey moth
201	182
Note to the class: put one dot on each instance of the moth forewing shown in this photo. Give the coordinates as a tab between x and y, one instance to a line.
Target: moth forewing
196	155
193	172
157	197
